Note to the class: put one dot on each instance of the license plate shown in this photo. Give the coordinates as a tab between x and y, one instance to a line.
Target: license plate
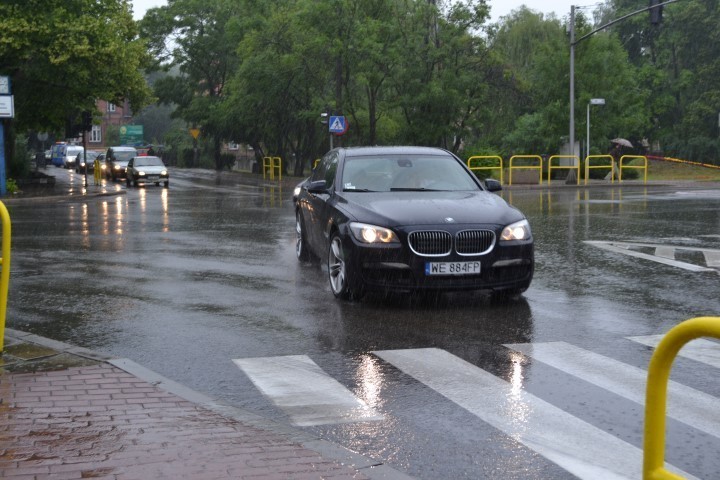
452	268
153	178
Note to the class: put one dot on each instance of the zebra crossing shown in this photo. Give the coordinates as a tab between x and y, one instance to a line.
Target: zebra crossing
310	396
665	254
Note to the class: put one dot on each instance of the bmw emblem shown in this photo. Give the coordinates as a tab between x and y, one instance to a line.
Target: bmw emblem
449	220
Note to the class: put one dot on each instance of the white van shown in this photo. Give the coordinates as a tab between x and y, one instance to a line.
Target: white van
70	153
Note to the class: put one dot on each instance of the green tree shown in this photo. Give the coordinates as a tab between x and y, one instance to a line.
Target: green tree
62	55
678	61
200	38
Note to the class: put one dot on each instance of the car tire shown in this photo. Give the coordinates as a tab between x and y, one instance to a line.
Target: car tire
135	183
301	248
167	184
342	279
127	182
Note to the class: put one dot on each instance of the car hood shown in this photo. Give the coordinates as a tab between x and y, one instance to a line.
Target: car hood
429	208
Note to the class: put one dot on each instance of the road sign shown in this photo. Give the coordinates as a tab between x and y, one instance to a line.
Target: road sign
337	125
131	135
195	132
7	106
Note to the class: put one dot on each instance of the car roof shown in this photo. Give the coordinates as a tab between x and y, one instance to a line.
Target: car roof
392	150
124	148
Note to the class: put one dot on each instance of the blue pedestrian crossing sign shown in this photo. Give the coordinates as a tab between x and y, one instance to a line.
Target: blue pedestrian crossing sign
337	125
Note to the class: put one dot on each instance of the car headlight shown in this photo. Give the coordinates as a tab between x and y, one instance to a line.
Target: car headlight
296	191
141	173
516	231
372	234
163	173
117	167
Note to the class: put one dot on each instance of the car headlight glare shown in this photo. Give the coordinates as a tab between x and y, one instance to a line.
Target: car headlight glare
372	234
516	231
163	173
141	173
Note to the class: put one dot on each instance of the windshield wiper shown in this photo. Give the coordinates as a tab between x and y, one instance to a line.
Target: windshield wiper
358	190
413	189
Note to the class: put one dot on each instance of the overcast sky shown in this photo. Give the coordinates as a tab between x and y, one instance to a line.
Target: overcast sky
498	8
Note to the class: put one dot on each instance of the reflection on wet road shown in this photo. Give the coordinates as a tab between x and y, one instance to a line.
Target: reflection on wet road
187	279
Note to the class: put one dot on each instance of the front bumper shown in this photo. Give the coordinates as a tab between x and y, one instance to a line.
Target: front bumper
395	268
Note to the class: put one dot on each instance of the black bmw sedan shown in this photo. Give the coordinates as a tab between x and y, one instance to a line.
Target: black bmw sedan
408	219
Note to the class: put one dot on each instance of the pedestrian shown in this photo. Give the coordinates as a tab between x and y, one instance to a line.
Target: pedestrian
151	151
616	154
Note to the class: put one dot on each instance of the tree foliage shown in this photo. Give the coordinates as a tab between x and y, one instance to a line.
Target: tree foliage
63	55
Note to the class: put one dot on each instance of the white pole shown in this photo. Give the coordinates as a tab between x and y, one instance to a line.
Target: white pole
587	152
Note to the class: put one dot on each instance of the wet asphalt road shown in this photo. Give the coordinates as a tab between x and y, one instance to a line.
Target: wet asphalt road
185	280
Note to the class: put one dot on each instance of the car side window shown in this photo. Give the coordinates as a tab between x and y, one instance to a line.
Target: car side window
326	169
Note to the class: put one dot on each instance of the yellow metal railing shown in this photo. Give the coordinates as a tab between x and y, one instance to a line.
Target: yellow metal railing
271	164
656	394
494	158
512	167
4	271
589	167
576	166
632	157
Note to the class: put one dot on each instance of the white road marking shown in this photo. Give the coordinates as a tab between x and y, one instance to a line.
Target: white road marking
625	248
580	448
307	394
665	252
712	258
700	350
695	408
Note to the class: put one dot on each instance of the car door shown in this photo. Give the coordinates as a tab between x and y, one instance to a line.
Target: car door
130	172
317	209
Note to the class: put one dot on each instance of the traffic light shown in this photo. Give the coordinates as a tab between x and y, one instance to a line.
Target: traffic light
656	12
86	121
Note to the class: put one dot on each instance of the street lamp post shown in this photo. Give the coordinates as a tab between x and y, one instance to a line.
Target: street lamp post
593	101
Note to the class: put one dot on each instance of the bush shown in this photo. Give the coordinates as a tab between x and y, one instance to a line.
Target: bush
19	165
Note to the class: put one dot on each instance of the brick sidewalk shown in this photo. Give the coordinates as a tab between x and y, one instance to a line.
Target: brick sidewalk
102	422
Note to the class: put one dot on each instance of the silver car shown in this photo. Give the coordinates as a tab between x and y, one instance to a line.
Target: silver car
147	169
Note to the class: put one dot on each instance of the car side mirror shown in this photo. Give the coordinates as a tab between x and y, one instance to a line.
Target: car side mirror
318	186
493	185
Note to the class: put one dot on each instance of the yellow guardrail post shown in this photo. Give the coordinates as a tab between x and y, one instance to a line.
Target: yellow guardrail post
656	393
499	166
559	167
632	157
271	164
525	167
267	165
5	271
588	167
277	164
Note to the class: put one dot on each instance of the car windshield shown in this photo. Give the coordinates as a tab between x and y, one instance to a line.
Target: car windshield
124	156
405	173
148	162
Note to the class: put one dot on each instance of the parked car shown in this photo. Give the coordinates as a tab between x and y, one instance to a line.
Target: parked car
116	160
147	169
407	219
86	159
